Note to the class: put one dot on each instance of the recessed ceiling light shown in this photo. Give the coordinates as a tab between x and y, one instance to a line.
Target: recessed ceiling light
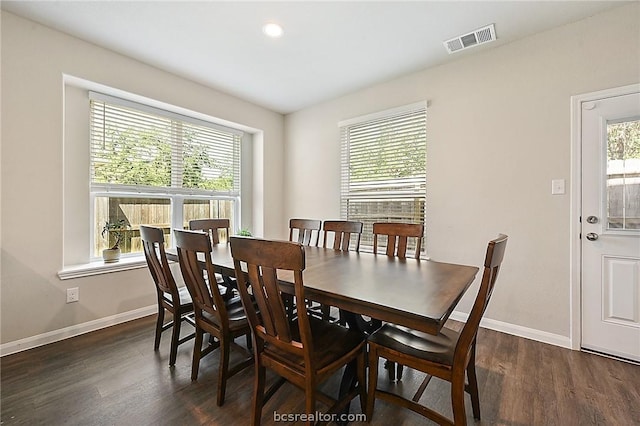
272	30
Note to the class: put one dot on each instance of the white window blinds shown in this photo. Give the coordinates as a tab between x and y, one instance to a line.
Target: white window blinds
384	167
136	147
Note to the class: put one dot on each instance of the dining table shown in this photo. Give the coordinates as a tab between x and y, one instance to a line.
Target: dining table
416	293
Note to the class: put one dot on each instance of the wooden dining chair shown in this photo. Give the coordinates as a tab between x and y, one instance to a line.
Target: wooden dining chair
398	235
224	320
216	228
305	231
172	298
398	239
344	232
447	355
306	351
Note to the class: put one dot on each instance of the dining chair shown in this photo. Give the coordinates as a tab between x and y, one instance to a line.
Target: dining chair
216	228
398	238
398	235
305	351
343	232
172	298
224	320
305	231
447	355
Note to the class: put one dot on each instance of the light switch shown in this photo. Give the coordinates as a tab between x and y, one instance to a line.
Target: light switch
557	186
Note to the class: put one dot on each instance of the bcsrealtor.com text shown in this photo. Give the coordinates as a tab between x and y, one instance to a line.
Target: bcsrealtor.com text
318	417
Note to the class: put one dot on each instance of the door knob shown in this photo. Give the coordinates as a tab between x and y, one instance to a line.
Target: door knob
592	236
592	219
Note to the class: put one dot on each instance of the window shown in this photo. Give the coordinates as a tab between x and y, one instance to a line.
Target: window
384	168
623	174
156	167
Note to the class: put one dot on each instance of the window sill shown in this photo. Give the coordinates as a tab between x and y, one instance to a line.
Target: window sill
98	267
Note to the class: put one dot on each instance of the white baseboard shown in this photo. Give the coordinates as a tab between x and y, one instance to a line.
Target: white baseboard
518	330
74	330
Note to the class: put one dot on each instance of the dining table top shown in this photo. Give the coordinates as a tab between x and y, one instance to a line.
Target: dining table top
417	293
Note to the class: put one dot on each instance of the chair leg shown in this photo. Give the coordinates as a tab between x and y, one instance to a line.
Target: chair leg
258	394
362	379
457	399
159	324
325	310
391	370
249	341
373	381
473	384
175	337
223	370
310	399
197	350
399	372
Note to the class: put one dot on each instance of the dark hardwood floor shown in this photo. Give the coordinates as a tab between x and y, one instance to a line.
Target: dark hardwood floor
113	377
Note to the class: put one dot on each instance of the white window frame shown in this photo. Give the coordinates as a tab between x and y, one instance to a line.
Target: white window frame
174	194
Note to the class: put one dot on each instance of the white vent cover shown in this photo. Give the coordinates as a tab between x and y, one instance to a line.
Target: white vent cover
474	38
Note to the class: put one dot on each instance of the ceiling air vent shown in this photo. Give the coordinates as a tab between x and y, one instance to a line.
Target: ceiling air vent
474	38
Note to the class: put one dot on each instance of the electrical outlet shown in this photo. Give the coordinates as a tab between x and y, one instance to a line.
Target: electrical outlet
73	294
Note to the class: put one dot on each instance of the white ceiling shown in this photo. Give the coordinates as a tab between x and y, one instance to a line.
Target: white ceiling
328	48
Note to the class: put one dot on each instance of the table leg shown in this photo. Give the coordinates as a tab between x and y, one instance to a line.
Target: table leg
350	377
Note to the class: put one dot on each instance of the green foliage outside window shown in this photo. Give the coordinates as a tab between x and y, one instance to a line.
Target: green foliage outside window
623	140
392	155
134	157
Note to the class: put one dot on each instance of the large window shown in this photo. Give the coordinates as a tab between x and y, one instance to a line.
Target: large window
384	168
150	166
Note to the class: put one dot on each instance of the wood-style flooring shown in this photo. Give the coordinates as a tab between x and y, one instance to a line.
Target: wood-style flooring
113	377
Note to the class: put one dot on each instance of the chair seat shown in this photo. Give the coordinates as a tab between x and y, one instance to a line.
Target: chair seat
438	348
235	311
185	297
225	289
330	342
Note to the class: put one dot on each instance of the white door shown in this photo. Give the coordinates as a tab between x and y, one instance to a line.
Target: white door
610	237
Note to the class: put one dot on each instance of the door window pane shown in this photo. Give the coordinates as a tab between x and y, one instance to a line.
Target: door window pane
623	175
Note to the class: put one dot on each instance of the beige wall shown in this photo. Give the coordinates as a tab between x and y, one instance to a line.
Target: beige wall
34	60
498	132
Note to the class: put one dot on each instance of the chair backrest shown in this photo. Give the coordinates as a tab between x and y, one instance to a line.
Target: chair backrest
308	231
211	227
261	259
343	230
153	246
194	248
398	235
492	262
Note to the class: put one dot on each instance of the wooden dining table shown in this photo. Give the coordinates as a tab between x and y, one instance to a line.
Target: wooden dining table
416	293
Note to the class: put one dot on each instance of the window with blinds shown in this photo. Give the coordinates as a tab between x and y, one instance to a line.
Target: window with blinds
150	166
384	168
